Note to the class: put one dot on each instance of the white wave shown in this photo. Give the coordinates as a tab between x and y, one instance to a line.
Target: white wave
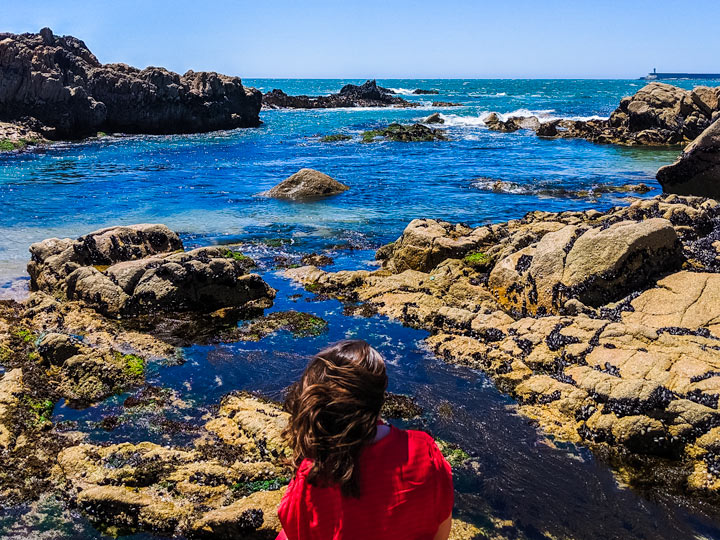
544	115
403	91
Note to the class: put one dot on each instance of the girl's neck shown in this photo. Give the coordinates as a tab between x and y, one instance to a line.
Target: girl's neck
383	430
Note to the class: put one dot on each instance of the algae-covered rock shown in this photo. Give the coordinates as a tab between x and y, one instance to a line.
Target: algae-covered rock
401	133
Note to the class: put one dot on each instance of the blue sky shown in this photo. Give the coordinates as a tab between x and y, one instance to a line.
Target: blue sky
391	38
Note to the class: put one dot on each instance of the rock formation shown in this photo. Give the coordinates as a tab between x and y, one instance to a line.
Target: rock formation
697	170
604	326
60	84
306	184
368	94
657	114
140	269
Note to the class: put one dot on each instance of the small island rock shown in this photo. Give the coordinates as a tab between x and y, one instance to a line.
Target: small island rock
306	184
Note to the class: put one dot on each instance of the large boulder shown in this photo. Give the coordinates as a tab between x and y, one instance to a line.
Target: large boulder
54	259
59	82
306	184
697	170
139	269
593	265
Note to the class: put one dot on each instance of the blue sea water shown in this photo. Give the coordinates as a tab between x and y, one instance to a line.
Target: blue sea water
206	187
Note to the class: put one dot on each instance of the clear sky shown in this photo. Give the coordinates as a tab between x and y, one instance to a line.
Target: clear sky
389	38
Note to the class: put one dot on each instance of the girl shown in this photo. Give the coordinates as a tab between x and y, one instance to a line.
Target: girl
357	478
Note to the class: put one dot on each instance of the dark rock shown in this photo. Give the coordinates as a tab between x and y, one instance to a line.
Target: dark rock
697	170
401	133
60	83
446	104
368	94
306	184
316	259
420	92
514	123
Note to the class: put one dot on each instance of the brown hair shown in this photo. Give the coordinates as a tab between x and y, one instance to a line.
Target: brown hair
334	409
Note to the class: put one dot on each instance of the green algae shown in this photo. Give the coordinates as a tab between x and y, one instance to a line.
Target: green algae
246	488
134	366
41	409
454	455
478	260
337	137
300	325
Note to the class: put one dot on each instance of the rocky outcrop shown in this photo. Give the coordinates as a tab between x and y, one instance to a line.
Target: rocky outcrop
140	269
604	326
306	184
369	94
16	136
58	82
657	114
403	133
697	170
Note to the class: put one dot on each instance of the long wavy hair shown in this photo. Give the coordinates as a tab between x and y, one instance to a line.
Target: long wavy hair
334	409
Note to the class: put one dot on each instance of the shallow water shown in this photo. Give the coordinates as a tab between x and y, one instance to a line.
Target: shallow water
205	186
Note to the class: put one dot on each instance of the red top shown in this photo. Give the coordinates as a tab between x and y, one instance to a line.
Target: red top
406	492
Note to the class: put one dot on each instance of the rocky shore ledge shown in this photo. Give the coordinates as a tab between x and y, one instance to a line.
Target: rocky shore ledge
53	87
604	326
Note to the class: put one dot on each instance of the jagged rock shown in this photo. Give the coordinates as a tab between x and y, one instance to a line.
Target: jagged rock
59	82
306	184
369	94
421	92
697	170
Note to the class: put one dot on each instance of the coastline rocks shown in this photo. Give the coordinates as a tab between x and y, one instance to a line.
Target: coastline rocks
697	170
421	92
306	184
494	123
58	82
207	490
15	136
657	114
401	133
369	94
585	317
127	271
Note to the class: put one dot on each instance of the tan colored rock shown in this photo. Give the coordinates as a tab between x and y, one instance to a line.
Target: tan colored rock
306	184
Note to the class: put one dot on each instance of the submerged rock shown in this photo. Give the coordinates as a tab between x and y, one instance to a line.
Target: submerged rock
697	170
369	94
585	317
139	269
59	82
306	184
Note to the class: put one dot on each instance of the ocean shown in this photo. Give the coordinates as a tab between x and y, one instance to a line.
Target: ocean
206	187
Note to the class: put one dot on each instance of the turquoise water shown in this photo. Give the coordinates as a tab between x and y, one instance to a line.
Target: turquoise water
205	187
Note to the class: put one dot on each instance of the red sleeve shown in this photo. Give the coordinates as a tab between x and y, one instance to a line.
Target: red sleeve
443	480
291	511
